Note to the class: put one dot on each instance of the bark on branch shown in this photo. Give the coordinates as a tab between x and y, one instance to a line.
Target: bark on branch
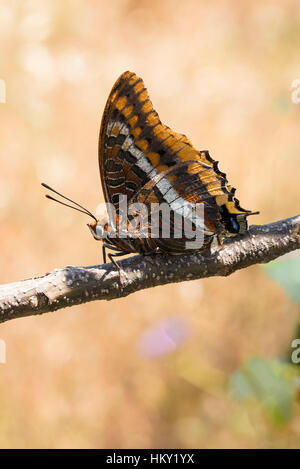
74	285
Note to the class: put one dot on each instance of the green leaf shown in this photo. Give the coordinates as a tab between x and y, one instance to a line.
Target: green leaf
287	274
271	382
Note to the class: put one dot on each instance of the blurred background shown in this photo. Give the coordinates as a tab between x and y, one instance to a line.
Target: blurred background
198	364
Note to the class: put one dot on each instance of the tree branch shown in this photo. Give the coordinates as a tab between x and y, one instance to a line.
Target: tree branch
74	285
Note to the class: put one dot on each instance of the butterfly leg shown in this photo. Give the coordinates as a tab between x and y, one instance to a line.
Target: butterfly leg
104	246
109	246
150	254
112	256
122	275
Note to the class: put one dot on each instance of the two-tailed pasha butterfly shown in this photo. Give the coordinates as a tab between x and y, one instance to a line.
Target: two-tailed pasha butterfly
143	163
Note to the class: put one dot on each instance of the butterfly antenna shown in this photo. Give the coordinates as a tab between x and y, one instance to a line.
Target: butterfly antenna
80	209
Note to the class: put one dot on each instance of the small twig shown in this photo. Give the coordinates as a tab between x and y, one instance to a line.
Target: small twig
74	285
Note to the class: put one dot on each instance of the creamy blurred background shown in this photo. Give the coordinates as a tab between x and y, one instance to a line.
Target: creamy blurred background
150	370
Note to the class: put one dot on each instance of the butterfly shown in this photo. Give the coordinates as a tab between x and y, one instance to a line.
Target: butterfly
159	190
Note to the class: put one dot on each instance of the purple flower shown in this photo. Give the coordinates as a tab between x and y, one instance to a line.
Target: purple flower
164	337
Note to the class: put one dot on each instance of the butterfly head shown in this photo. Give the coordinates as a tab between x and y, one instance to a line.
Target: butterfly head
99	229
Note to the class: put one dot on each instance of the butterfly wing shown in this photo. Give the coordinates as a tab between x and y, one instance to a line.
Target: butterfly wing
183	188
134	145
144	160
186	188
